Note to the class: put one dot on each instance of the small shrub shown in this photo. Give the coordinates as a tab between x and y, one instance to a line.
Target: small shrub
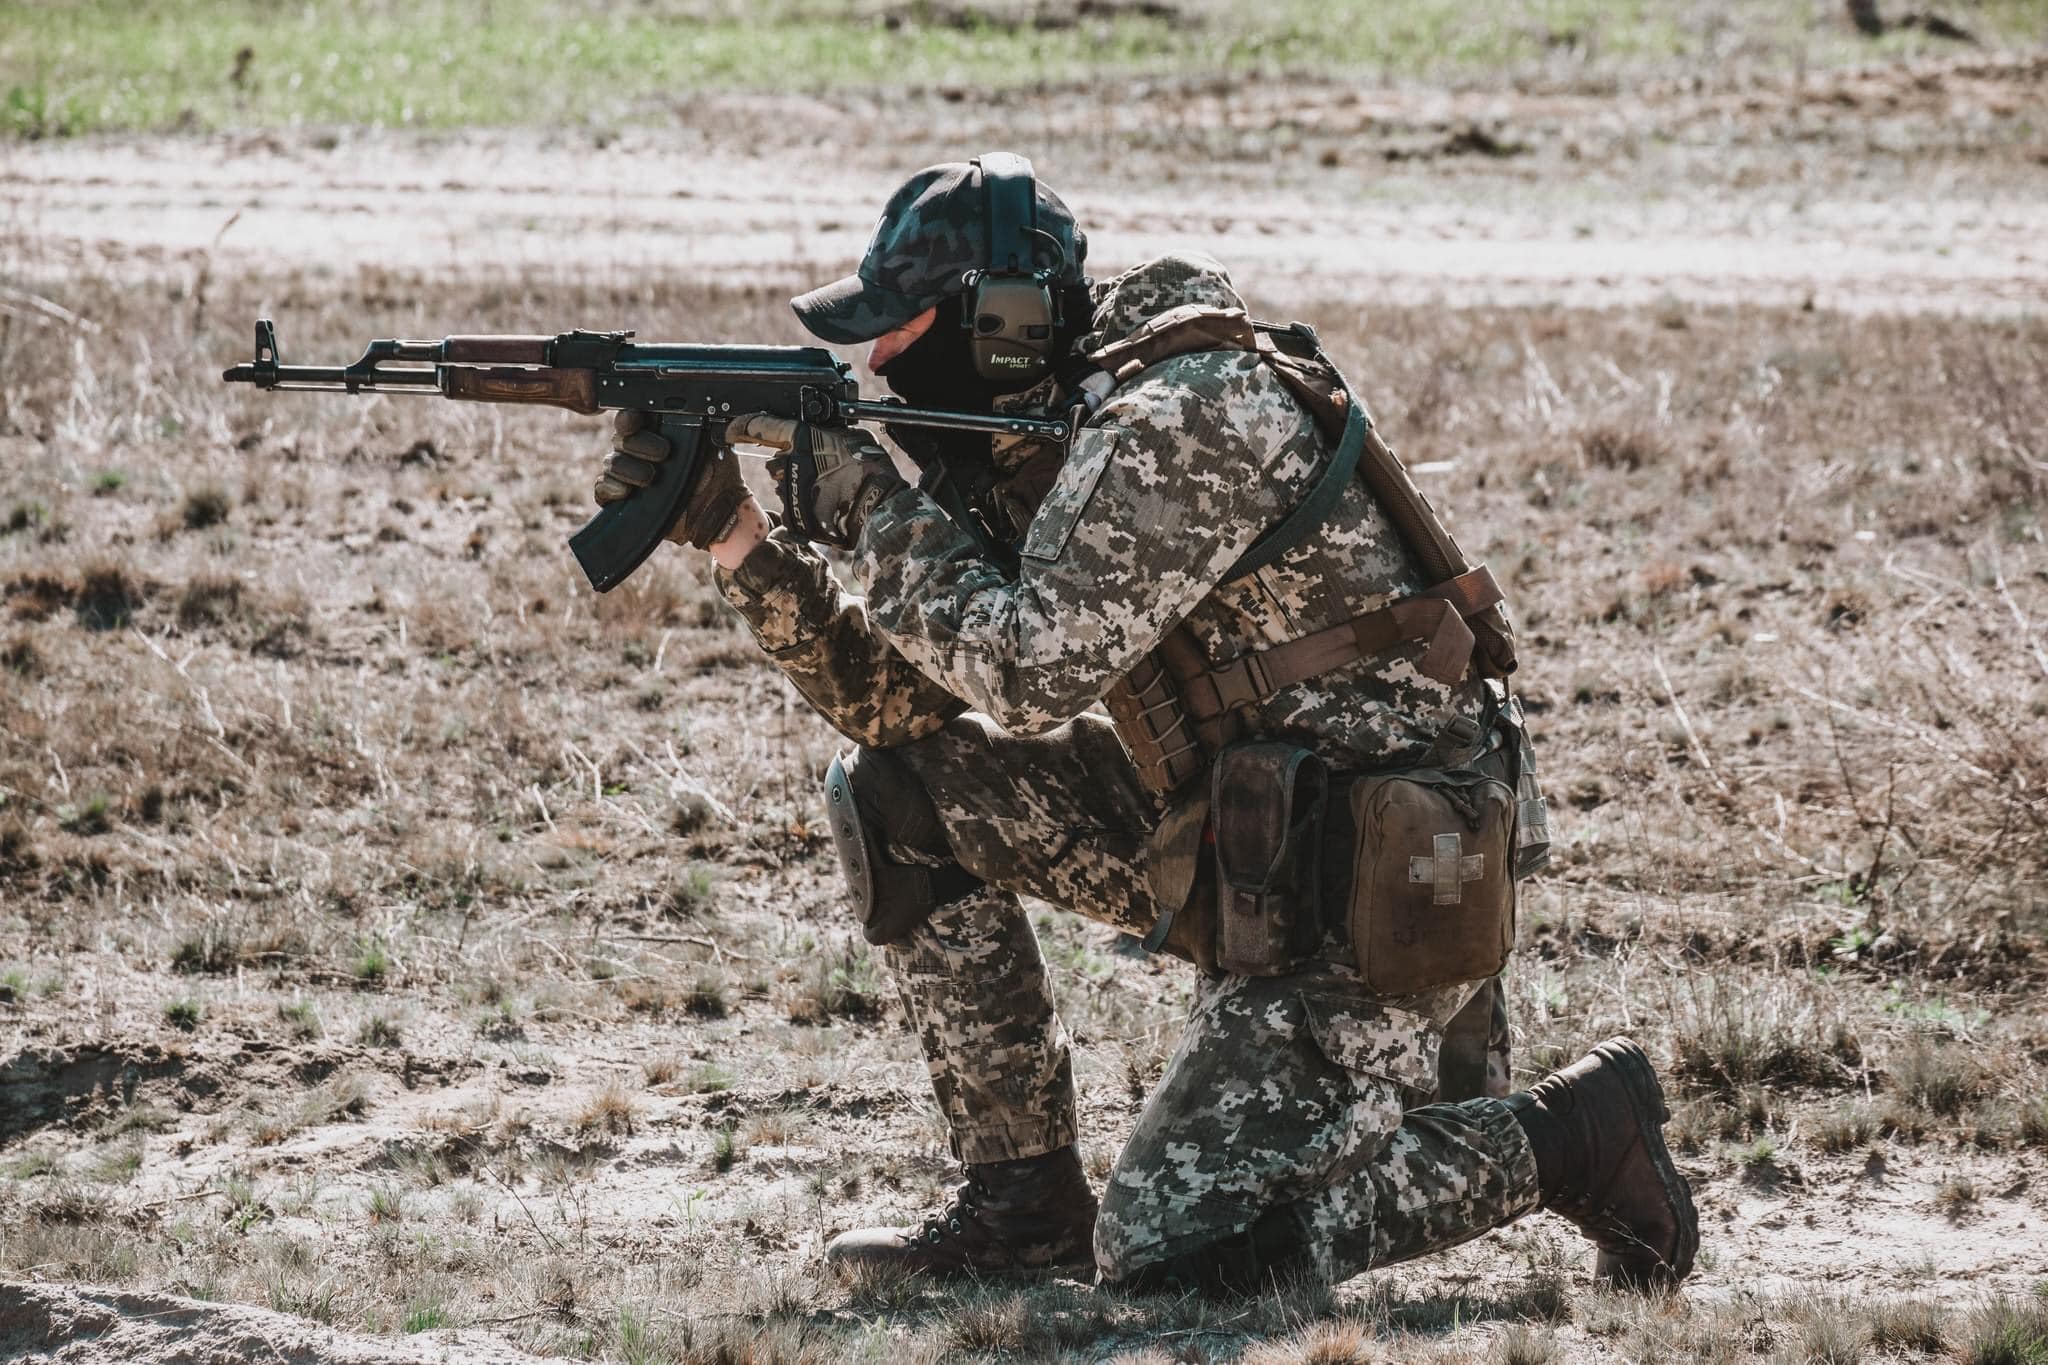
108	481
662	1069
13	986
107	598
182	1014
22	658
206	505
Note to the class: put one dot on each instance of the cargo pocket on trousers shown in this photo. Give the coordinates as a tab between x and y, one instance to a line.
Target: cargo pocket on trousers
1389	1057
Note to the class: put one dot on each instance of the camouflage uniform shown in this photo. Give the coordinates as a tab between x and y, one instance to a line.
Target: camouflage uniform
1295	1092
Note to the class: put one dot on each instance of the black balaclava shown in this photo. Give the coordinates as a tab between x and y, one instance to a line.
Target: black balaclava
937	371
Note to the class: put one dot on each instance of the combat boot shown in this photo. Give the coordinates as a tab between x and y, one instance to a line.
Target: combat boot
1010	1218
1597	1129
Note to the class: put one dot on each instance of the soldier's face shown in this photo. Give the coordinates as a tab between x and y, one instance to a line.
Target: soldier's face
889	345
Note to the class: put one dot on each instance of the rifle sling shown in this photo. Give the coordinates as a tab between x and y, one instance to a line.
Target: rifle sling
1311	511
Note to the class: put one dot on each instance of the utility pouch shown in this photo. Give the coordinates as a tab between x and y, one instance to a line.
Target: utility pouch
1510	757
1432	889
1267	803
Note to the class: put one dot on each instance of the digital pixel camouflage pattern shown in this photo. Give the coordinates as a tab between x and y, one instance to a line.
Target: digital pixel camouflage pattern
1286	1091
1302	1093
1174	478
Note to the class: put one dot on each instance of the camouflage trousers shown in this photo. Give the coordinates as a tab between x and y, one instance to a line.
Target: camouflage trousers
1304	1091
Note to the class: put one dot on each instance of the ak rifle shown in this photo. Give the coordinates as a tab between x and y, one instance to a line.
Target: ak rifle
695	388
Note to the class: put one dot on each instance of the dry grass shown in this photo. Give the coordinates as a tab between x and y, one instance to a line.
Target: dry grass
334	800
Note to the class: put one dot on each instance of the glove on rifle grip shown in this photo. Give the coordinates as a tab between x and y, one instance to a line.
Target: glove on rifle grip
620	537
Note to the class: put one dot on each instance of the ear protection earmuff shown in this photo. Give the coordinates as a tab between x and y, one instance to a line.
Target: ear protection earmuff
1012	309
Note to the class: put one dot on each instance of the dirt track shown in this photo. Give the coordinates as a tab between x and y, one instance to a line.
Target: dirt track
1774	197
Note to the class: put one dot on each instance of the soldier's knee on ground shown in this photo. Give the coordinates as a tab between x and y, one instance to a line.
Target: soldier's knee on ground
1274	1250
892	848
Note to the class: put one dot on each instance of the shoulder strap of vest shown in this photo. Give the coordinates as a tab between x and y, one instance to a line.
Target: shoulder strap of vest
1311	510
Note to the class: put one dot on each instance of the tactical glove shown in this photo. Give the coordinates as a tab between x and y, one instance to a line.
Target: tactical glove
831	477
715	494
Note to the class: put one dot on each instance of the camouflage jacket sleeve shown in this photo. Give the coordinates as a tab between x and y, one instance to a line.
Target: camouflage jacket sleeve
819	636
1176	477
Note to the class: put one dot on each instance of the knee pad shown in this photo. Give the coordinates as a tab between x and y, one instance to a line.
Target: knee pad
892	848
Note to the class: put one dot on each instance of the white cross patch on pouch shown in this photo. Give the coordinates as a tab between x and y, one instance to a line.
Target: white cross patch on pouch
1448	867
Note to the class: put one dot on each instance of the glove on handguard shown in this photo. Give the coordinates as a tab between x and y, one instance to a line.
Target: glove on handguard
716	490
830	477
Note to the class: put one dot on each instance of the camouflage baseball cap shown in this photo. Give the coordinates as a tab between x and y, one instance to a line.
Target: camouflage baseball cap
932	232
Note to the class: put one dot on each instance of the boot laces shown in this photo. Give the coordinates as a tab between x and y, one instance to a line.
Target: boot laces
954	1218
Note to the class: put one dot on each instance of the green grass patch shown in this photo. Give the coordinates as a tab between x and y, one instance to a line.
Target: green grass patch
73	66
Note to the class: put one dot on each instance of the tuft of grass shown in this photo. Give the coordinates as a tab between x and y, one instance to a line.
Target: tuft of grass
846	985
424	1317
108	481
692	891
726	1149
215	948
1956	1196
2007	1331
707	997
372	965
1524	1345
87	820
387	1204
1909	1325
300	1018
1847	1127
661	1069
204	506
379	1030
209	600
610	1110
709	1078
1938	1077
183	1013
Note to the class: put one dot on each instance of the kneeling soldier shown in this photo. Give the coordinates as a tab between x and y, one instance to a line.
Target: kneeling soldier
1311	781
